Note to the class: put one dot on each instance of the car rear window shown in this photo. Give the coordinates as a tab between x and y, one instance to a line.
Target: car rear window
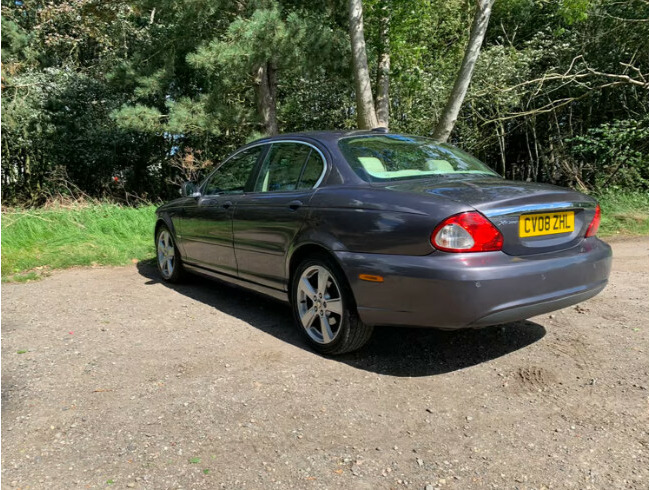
385	158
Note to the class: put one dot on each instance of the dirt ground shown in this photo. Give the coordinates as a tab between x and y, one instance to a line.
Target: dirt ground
112	379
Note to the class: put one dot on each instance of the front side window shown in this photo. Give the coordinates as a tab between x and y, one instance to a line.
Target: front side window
283	167
388	158
232	176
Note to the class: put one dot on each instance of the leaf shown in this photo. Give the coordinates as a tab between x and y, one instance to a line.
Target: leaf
21	352
195	460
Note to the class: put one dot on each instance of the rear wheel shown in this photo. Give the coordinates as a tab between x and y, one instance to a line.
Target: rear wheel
168	256
324	310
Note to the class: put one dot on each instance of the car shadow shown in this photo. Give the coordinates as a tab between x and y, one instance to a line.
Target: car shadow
395	351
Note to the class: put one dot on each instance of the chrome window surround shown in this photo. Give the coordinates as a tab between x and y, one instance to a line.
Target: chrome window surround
323	159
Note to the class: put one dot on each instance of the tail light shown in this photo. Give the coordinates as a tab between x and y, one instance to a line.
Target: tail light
595	223
467	232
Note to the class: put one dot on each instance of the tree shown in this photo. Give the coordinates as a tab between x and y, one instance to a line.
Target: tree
366	115
479	28
94	90
382	101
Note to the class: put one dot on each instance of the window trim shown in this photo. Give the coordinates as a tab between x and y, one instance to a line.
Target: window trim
258	165
253	171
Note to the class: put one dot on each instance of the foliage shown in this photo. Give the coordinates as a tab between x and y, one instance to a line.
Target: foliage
98	91
617	153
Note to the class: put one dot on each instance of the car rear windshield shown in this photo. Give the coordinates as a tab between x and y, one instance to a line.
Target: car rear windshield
390	157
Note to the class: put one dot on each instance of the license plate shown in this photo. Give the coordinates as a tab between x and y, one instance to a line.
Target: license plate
546	223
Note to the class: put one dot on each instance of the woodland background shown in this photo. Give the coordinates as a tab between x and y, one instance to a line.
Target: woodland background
124	99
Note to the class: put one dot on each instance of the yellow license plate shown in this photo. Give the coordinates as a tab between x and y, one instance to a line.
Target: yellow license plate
546	223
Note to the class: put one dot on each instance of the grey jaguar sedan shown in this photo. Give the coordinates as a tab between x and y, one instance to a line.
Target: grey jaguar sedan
365	228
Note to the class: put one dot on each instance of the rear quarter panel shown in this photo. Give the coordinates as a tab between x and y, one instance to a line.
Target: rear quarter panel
376	220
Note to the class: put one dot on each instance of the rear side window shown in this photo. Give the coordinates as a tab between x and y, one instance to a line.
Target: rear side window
232	176
312	172
283	167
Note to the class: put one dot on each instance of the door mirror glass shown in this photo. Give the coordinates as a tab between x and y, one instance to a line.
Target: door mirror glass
189	189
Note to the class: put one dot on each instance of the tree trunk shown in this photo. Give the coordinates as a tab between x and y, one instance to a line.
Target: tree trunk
266	97
382	102
366	116
476	36
501	136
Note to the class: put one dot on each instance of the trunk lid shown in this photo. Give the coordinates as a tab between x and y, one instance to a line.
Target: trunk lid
504	203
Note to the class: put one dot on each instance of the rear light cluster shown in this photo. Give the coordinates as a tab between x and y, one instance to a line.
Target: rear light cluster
467	232
595	223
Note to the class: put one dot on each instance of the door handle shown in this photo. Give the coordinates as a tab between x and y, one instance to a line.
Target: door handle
293	205
226	204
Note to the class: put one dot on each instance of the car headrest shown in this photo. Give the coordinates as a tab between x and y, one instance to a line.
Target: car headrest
372	165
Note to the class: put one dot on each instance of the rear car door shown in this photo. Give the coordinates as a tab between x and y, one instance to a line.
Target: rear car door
267	219
207	236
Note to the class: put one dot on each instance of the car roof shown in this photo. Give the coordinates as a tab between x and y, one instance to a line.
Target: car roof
329	136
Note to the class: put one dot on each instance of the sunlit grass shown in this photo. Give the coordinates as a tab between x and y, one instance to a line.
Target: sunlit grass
623	213
35	241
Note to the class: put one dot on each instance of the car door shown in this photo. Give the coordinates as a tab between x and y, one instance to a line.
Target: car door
267	219
207	237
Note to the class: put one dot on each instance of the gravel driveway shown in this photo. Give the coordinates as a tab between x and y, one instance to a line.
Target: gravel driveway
112	379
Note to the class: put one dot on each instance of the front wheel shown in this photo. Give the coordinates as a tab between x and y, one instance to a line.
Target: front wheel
167	255
324	310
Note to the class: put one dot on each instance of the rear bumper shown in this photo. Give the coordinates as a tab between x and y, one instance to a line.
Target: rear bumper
454	291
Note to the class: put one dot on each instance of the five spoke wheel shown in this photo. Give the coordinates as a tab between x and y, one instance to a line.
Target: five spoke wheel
320	305
166	254
324	308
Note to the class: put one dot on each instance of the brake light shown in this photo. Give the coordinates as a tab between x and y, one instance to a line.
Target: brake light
595	223
467	232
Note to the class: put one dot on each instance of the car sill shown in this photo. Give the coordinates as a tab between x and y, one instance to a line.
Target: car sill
274	293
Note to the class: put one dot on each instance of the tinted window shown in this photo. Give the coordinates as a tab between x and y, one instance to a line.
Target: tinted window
394	157
232	176
312	172
282	167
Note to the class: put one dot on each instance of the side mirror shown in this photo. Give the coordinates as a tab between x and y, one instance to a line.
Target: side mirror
189	189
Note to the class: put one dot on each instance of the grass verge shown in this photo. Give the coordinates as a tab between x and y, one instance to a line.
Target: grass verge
623	213
36	241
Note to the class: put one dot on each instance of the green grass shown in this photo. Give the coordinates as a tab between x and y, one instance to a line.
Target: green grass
36	241
623	213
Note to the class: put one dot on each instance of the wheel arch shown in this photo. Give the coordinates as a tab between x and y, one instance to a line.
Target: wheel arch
159	223
306	250
166	221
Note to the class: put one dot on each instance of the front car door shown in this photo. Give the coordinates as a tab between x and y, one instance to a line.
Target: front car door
267	219
207	237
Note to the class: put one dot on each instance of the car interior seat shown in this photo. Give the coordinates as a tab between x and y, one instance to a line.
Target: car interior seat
439	166
372	165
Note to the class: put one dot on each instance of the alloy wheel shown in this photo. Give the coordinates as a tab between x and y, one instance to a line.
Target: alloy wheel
320	304
166	254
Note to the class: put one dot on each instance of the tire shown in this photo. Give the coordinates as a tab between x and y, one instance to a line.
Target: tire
324	308
168	258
